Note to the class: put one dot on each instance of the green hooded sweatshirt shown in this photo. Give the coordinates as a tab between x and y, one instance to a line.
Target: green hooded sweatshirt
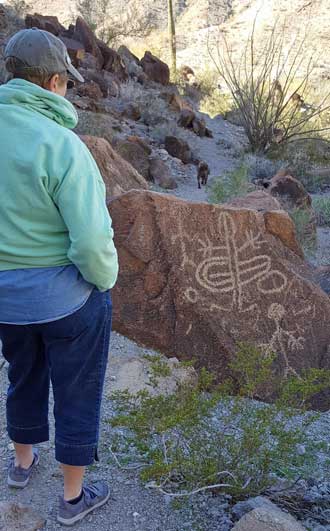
53	210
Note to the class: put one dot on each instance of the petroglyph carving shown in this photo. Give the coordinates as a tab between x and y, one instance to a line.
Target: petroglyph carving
282	340
229	268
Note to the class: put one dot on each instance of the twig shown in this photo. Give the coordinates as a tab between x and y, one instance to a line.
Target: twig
182	494
125	467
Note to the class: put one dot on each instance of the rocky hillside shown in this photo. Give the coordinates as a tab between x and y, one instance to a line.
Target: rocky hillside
200	20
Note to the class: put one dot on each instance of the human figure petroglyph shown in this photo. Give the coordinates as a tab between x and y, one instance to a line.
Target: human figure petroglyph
283	340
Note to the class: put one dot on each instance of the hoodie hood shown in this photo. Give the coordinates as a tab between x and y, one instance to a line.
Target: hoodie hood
30	96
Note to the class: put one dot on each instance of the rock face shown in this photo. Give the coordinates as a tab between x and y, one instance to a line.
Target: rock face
85	35
90	90
136	154
155	69
160	174
196	278
268	520
289	190
119	176
178	148
18	517
47	23
113	62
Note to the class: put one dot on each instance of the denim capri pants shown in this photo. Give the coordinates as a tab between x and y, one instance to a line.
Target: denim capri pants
72	354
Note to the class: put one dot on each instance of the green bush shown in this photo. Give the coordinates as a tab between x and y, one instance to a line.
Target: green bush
234	184
321	207
205	437
303	221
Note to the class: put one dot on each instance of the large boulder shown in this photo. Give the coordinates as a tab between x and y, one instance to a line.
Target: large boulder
132	63
136	154
46	23
289	191
196	278
84	34
113	62
264	519
119	176
98	78
160	174
155	69
178	148
91	90
293	197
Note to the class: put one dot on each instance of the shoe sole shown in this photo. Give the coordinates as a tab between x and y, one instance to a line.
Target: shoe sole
80	516
21	484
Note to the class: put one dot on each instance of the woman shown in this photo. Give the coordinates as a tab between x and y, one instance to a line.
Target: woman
57	264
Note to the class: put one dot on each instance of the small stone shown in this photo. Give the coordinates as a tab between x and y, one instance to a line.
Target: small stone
11	447
135	514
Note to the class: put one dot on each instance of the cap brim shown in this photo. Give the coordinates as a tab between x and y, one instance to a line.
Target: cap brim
75	73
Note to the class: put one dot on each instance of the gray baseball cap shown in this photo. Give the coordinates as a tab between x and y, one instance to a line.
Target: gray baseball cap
40	49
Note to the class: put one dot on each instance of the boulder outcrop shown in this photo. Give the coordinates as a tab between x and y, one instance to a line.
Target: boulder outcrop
155	69
197	278
119	176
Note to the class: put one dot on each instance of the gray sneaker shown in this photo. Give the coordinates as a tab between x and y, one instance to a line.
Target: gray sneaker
19	477
94	496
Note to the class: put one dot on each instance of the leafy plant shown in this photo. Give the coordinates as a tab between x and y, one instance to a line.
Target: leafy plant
203	437
321	207
234	184
303	221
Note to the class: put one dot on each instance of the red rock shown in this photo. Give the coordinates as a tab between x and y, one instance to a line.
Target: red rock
178	148
84	34
177	103
46	23
119	176
187	118
132	111
136	154
155	69
160	174
289	191
225	278
75	49
97	77
91	90
113	62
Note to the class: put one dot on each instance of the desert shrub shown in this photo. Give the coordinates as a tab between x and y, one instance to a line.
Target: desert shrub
309	161
303	222
321	207
204	437
234	183
112	25
268	85
20	7
213	100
